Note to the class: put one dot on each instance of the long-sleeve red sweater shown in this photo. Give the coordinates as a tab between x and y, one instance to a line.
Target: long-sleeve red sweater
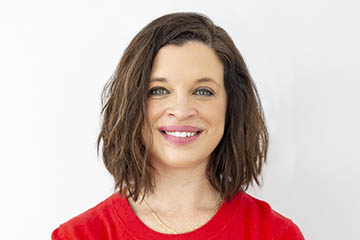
244	217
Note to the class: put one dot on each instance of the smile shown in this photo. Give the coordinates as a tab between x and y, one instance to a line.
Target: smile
180	135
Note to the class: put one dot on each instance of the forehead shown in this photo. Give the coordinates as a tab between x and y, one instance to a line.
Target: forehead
191	61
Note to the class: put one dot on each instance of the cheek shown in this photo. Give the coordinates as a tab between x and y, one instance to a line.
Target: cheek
146	130
153	111
215	116
215	112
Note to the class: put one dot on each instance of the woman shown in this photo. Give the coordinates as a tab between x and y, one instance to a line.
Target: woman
184	136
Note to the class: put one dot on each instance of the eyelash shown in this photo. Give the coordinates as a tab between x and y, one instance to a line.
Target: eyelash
208	93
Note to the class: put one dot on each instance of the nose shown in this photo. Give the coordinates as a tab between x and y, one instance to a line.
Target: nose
181	107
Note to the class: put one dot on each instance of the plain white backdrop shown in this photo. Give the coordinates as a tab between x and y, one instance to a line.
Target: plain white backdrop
56	56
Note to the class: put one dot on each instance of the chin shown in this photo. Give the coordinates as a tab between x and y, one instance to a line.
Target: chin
179	162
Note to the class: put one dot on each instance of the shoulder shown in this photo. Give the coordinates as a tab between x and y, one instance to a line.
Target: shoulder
91	224
264	221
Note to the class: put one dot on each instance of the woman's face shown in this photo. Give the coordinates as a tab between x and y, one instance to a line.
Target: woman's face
186	105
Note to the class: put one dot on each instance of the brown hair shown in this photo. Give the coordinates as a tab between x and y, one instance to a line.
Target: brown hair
237	160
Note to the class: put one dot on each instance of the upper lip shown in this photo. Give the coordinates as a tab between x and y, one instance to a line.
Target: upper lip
175	128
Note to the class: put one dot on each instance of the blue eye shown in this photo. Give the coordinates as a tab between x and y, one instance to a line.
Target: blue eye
204	92
158	91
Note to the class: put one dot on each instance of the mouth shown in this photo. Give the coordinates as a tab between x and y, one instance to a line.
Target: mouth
181	134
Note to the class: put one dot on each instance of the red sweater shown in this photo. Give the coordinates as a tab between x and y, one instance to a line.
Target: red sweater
244	217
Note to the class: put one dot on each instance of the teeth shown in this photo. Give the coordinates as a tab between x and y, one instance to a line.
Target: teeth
181	134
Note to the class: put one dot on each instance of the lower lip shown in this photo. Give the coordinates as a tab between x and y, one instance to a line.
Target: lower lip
180	140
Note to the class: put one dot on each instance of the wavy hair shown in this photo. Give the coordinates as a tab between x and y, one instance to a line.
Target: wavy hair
237	160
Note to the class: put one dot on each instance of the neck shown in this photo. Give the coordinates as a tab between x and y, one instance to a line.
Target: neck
185	188
182	189
183	199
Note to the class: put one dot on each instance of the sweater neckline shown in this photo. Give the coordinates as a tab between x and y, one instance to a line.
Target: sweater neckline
218	223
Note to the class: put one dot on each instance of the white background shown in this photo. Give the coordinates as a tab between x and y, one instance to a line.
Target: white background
56	56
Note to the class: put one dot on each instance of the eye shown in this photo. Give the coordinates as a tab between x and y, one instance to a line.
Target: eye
158	91
204	92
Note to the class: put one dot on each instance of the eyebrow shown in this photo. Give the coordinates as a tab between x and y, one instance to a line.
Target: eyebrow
200	80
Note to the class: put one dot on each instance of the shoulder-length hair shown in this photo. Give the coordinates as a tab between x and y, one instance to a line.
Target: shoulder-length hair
237	160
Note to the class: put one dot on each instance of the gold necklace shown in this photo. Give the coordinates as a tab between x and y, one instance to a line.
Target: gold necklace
218	204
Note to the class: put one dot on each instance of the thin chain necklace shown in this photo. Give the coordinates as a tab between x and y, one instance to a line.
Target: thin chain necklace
218	204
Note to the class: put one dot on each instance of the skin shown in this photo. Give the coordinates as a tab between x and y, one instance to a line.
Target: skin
182	100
